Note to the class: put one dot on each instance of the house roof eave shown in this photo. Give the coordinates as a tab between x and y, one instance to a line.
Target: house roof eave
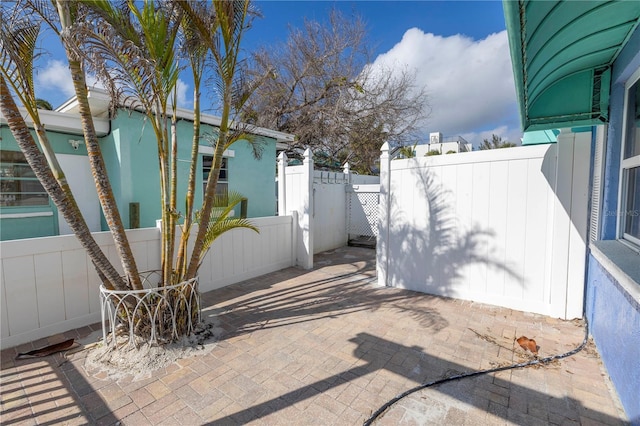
562	54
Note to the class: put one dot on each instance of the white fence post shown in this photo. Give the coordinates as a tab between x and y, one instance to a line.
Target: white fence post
347	171
570	224
282	184
382	243
295	225
306	218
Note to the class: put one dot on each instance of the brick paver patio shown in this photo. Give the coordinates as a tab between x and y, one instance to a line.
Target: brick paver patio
327	347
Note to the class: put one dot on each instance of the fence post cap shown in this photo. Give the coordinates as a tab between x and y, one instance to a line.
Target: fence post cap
385	147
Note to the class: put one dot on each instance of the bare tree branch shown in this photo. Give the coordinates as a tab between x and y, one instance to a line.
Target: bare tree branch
322	87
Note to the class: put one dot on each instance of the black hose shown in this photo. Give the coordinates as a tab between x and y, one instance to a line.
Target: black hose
544	361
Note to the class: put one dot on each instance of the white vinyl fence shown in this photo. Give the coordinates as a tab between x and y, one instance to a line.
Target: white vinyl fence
322	202
48	285
506	227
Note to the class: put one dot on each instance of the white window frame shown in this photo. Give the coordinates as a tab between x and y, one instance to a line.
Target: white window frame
208	150
625	166
597	181
224	168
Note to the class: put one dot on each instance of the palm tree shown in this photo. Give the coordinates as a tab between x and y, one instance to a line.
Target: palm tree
230	23
196	50
133	51
44	104
132	48
68	16
407	151
18	37
147	75
495	143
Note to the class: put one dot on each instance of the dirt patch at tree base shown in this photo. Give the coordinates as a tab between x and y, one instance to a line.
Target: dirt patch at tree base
140	360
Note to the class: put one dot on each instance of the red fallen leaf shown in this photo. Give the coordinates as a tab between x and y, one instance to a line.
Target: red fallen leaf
528	344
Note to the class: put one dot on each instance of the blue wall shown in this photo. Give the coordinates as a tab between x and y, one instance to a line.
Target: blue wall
625	65
613	313
255	180
614	321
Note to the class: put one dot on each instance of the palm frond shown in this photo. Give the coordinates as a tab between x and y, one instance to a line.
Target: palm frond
132	49
221	222
18	37
256	144
45	10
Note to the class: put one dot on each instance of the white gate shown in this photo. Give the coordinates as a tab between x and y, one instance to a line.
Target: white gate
362	214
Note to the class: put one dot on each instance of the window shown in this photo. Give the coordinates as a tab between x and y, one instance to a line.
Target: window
629	218
19	186
223	177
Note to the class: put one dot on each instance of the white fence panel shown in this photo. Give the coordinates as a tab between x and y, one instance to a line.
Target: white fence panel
330	217
329	210
243	254
48	285
364	179
320	199
497	227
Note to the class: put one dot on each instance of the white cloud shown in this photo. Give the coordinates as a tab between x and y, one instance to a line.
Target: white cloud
469	82
183	100
53	82
54	77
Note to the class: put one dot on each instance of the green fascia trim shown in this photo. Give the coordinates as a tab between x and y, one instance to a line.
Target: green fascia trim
561	55
553	124
583	129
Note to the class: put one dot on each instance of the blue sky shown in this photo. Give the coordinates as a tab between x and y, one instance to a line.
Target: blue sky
387	21
458	50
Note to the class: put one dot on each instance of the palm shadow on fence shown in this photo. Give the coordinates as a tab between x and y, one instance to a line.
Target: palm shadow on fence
434	253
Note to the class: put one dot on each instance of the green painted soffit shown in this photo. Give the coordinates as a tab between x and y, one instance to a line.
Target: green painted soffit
562	52
538	137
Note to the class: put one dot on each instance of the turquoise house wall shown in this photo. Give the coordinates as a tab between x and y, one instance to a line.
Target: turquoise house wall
255	179
131	155
613	313
15	227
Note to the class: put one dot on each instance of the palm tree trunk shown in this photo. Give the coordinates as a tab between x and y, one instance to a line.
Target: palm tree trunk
231	19
167	215
212	182
101	179
181	262
98	169
65	204
174	183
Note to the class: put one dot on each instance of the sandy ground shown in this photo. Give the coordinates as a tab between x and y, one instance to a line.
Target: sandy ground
142	359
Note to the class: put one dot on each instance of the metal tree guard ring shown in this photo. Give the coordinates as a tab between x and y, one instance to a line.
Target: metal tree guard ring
128	307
